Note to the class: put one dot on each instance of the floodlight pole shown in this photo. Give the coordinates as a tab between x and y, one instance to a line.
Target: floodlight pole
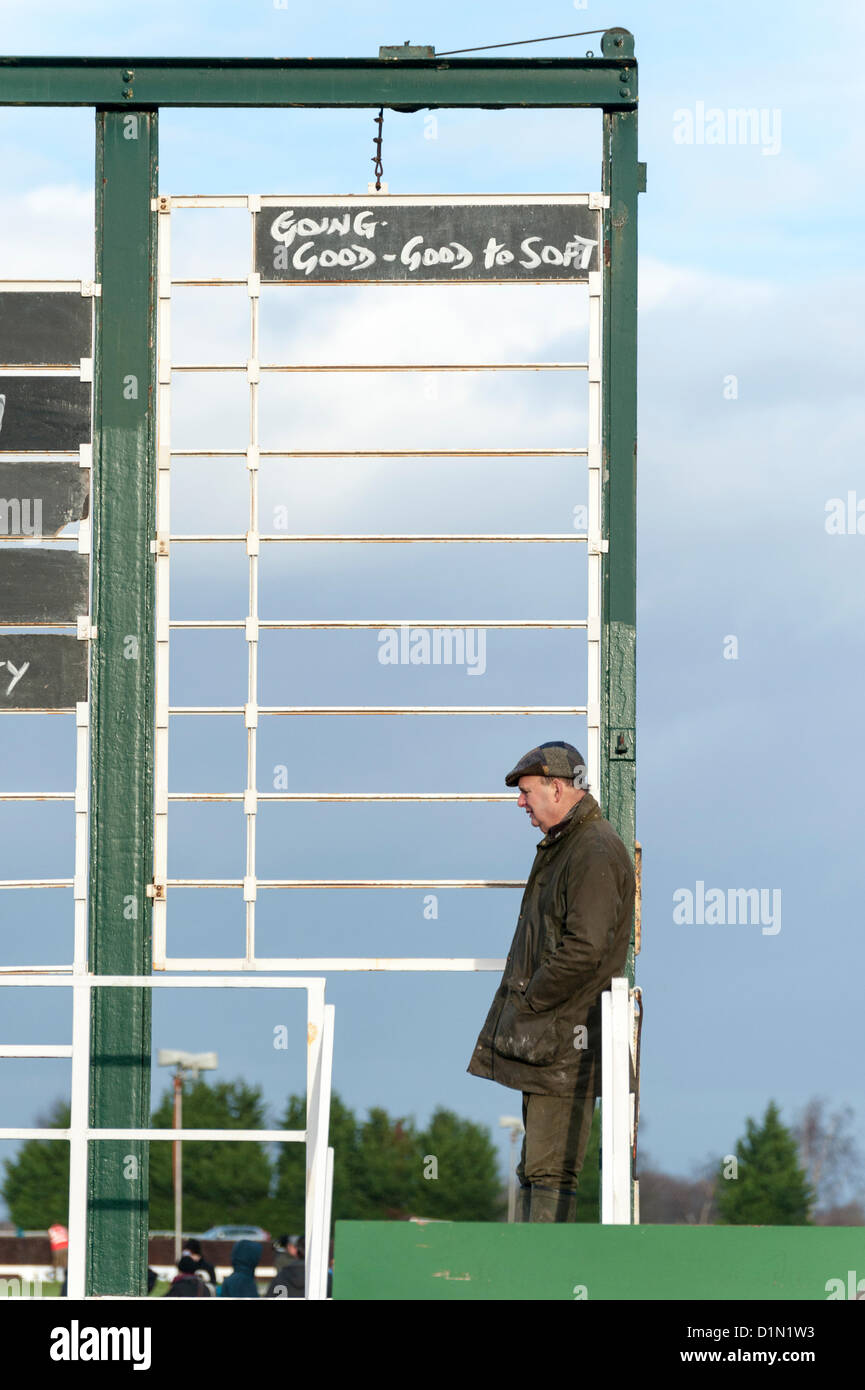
177	1146
183	1062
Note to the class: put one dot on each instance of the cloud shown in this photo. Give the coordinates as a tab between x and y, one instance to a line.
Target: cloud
47	233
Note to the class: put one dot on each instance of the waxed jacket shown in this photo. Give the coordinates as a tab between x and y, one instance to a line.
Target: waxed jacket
543	1032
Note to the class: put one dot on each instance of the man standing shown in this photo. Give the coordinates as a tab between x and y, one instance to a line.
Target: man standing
542	1035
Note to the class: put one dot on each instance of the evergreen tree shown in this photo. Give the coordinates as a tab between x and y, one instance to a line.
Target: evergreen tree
35	1183
466	1185
387	1168
380	1166
770	1188
288	1202
222	1182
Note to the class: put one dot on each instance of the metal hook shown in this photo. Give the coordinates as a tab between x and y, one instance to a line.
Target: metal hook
376	159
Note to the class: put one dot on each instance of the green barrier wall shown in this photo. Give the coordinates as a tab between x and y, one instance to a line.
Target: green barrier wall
475	1260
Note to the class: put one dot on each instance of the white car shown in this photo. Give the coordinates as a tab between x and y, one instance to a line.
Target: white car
235	1233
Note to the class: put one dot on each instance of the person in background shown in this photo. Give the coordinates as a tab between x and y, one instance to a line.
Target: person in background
245	1255
192	1248
290	1279
281	1254
186	1283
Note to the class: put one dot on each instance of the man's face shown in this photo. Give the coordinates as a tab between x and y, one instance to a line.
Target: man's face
542	802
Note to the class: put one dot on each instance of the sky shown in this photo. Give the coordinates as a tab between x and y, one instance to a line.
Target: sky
750	652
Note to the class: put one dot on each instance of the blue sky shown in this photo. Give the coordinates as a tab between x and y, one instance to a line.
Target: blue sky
749	769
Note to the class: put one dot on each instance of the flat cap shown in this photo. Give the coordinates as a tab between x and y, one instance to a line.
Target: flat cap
550	760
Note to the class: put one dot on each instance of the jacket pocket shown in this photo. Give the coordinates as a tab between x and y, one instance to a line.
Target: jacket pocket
523	1035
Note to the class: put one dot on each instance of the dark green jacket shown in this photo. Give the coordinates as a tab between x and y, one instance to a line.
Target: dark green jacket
571	939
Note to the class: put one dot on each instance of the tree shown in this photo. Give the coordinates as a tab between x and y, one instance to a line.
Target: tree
769	1187
666	1200
849	1214
829	1153
222	1182
288	1202
35	1183
459	1178
387	1170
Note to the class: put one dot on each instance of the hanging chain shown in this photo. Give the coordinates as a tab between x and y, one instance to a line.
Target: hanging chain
376	159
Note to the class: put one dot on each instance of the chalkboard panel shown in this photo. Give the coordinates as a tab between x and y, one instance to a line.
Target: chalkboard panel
43	412
44	328
42	585
441	242
39	499
42	671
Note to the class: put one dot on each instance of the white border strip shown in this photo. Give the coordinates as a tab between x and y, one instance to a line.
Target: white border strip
595	525
319	1069
163	588
616	1028
348	200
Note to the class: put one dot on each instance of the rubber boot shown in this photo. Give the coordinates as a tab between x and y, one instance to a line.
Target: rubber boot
553	1203
523	1205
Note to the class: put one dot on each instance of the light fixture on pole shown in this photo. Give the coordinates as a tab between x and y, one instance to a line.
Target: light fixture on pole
185	1063
515	1125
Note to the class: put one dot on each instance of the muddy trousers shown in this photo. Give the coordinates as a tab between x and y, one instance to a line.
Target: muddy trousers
556	1135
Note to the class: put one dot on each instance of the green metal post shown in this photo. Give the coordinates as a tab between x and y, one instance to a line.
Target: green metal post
122	685
621	180
619	489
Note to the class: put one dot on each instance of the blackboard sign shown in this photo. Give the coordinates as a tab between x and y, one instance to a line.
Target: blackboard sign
341	242
42	671
44	328
39	499
42	586
41	413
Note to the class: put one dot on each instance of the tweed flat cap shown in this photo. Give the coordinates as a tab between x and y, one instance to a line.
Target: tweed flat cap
550	760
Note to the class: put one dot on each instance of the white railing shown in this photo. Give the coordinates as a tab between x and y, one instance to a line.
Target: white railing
319	1063
619	1190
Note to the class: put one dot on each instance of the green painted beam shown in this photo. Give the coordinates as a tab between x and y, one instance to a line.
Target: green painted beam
621	178
471	1261
608	81
122	692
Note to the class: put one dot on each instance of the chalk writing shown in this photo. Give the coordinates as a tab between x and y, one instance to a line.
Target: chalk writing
447	242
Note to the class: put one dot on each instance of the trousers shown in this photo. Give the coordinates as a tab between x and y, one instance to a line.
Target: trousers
556	1136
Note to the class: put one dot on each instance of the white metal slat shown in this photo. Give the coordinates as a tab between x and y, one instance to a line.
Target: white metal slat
373	539
595	523
251	626
162	590
243	200
616	1128
319	1067
342	964
78	1121
381	366
82	846
319	1070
